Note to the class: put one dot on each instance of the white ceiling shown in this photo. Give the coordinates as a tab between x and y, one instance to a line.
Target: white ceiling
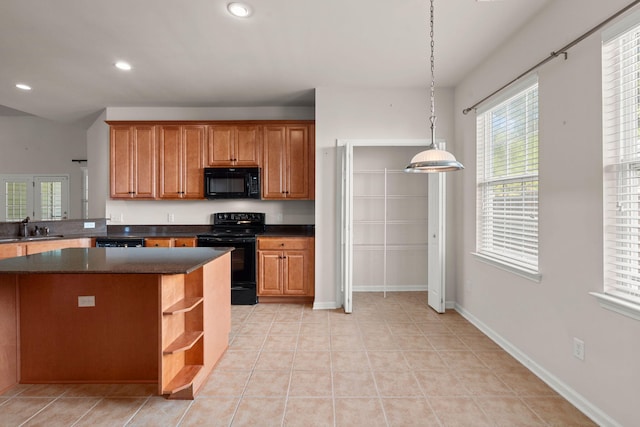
193	53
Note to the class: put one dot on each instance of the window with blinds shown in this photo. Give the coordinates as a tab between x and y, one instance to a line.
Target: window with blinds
39	197
507	180
621	162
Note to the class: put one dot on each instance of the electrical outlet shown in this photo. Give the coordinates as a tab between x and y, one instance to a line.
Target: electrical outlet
89	225
171	217
87	301
578	348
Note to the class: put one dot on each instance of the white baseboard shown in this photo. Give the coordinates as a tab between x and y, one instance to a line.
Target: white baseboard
389	288
579	401
325	305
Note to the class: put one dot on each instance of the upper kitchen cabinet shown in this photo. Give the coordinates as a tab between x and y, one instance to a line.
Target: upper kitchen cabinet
133	162
288	163
233	145
181	161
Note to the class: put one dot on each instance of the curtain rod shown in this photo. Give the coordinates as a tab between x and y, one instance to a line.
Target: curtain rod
555	54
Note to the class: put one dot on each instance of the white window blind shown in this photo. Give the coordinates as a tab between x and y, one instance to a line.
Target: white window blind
621	158
507	181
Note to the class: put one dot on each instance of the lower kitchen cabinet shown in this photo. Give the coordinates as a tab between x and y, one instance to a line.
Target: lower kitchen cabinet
51	245
10	250
285	269
170	242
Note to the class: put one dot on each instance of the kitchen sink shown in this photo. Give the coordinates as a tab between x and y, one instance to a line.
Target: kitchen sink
37	238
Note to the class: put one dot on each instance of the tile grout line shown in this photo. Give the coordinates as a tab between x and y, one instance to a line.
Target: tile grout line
40	410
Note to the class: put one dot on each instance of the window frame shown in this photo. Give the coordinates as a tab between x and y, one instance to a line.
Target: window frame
621	167
519	252
34	206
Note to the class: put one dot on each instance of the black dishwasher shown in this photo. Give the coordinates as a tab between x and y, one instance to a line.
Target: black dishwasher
119	242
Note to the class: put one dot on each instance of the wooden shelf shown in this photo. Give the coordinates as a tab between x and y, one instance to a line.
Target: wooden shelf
182	306
183	342
183	379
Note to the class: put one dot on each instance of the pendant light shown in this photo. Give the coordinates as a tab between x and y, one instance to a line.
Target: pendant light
432	159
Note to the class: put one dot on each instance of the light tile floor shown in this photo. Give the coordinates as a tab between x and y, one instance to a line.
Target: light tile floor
393	362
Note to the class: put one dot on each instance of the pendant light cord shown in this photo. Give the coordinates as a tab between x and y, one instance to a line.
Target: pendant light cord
555	54
432	119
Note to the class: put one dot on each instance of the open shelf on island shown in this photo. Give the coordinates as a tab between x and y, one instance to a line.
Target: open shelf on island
182	380
183	342
183	305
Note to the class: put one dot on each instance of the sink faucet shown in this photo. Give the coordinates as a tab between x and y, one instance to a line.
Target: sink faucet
24	224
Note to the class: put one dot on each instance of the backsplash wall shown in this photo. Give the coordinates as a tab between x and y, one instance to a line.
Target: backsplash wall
199	211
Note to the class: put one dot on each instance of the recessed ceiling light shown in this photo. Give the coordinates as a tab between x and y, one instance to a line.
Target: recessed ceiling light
23	86
123	65
241	10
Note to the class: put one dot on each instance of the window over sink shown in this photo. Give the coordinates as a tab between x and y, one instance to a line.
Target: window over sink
40	197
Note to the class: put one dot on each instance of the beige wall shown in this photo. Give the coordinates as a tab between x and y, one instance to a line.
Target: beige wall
32	145
356	113
539	320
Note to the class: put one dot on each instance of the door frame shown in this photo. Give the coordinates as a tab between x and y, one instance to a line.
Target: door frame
436	221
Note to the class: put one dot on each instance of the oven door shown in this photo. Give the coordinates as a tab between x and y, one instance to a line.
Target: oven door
243	266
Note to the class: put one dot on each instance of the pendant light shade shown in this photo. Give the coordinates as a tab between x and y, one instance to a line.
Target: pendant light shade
432	159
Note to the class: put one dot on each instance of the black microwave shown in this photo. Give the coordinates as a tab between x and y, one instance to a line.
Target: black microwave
232	183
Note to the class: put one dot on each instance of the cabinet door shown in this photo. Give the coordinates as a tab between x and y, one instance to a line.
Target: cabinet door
270	273
170	162
52	245
158	242
144	160
185	242
193	157
295	273
297	162
220	142
273	162
10	250
247	147
133	162
121	162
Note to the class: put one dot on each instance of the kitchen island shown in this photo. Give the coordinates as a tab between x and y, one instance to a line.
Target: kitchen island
115	315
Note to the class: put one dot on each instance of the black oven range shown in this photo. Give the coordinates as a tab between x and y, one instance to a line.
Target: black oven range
238	230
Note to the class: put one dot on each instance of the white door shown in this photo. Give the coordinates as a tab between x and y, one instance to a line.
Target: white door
345	154
436	246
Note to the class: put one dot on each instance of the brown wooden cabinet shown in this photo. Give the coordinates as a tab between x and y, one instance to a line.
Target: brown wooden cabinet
133	163
170	242
10	250
286	268
51	245
233	145
181	161
288	164
166	160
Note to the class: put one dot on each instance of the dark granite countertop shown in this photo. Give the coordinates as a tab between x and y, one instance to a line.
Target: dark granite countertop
113	261
144	231
289	231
